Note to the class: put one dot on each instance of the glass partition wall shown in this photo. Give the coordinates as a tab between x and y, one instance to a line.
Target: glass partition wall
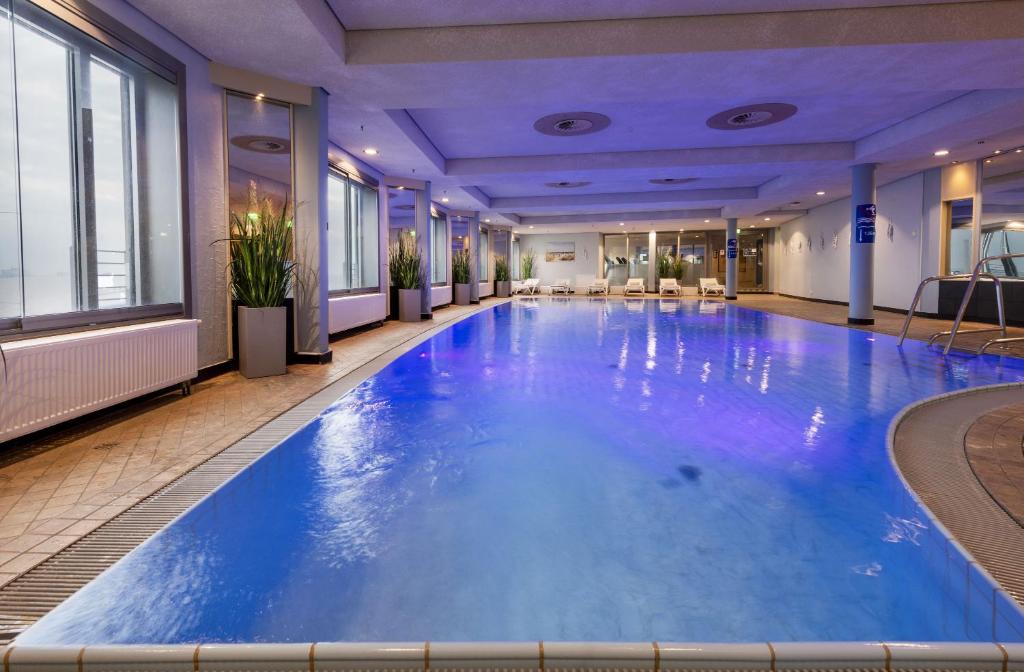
90	191
1002	213
691	256
626	255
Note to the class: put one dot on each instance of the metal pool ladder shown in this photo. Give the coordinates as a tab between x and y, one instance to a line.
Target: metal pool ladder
974	277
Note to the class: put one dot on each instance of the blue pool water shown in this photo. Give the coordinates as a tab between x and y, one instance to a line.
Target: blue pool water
578	470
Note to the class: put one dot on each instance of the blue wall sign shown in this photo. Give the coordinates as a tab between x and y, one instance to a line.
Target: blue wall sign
730	248
864	227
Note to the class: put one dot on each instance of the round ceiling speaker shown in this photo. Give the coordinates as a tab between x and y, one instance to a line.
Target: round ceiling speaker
565	185
751	116
571	123
671	180
263	144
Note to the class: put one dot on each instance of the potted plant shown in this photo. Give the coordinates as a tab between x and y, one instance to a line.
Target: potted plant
526	263
262	272
502	279
406	269
460	276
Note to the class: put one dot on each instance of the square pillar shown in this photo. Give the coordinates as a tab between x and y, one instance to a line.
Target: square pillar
474	258
310	211
424	244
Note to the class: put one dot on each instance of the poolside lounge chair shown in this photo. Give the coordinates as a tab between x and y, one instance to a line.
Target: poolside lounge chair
711	286
561	286
634	286
516	286
528	286
598	286
670	286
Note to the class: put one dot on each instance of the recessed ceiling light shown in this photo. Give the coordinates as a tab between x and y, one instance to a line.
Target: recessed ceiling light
681	230
444	199
941	152
370	151
571	123
259	96
487	221
707	221
998	151
751	116
988	160
1019	151
622	223
767	219
531	226
819	193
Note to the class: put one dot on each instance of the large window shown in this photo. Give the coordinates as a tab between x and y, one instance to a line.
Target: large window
90	196
626	256
485	256
439	254
353	231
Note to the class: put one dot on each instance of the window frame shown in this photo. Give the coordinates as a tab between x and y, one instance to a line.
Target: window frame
74	18
373	185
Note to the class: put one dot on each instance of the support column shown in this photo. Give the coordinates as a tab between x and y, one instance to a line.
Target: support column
652	262
310	211
474	258
732	248
862	245
424	243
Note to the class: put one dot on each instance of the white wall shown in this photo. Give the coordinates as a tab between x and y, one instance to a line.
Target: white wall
206	182
587	255
806	268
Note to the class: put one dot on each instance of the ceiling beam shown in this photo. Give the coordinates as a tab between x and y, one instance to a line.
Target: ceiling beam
756	156
672	196
605	217
913	24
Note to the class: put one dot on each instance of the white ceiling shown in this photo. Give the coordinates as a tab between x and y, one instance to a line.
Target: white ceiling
456	105
389	14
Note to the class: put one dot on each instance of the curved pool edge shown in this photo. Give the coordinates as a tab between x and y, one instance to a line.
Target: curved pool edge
941	486
519	657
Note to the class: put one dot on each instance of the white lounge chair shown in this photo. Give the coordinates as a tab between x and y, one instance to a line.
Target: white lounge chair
531	285
561	286
634	286
516	286
670	286
711	286
598	286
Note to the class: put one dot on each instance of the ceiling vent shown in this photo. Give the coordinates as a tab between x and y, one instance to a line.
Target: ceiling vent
565	185
672	180
406	206
751	116
571	123
263	144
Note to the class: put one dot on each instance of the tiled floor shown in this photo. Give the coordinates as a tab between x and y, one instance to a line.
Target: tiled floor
59	488
995	449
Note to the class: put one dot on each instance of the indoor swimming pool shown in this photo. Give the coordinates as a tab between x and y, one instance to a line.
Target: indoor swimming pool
575	470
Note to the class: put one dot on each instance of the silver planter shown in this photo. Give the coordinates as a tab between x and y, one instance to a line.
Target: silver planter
461	294
261	341
409	305
502	288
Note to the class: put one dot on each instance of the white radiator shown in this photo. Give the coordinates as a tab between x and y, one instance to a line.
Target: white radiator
57	378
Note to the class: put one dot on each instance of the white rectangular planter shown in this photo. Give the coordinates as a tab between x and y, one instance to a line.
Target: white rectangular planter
262	341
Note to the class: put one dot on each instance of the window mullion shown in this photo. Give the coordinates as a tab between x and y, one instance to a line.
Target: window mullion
85	187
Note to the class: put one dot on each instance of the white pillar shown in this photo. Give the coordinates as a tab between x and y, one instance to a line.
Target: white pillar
732	249
310	291
652	262
424	243
474	258
862	245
